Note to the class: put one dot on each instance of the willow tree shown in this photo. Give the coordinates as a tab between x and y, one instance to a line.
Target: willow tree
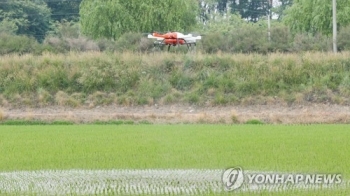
112	18
315	16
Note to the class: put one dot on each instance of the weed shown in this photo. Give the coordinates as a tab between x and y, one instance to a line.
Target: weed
23	122
129	122
112	122
254	122
2	115
234	117
62	123
144	122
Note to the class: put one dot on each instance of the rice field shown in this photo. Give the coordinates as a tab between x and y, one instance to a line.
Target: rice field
167	159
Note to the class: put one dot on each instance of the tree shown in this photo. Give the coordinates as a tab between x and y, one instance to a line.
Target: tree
31	18
64	9
112	18
251	10
222	5
315	16
279	10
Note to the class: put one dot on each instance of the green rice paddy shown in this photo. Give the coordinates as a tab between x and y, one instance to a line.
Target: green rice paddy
279	148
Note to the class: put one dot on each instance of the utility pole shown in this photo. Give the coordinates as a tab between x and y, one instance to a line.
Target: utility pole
269	20
334	26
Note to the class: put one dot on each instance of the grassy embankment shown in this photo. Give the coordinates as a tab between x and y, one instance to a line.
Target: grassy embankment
91	79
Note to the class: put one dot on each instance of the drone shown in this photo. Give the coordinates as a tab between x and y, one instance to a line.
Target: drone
174	39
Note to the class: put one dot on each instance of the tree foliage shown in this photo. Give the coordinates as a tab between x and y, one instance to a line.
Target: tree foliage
279	10
64	9
314	16
251	10
31	18
112	18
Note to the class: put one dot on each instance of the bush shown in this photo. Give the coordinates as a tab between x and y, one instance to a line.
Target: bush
82	44
18	44
66	37
56	44
62	45
129	42
344	38
107	45
308	42
248	39
281	39
214	42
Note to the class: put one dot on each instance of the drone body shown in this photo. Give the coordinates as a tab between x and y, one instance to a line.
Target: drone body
174	39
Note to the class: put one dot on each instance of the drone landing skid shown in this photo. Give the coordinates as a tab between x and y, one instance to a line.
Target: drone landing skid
159	45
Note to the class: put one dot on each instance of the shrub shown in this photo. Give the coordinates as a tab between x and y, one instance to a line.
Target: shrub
145	44
81	44
344	39
62	45
56	44
280	39
247	39
107	45
214	42
308	42
18	44
129	42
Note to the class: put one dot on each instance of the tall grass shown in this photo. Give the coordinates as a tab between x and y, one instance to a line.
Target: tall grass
76	79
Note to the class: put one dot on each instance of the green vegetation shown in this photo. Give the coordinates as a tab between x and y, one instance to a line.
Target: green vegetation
304	149
25	18
315	148
38	122
113	18
254	122
62	26
315	16
91	79
27	122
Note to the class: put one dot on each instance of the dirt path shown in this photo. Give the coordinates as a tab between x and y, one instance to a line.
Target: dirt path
315	113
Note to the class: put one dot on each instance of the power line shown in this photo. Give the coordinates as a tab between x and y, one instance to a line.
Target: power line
16	15
6	2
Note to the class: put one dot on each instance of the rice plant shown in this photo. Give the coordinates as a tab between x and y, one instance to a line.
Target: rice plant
134	182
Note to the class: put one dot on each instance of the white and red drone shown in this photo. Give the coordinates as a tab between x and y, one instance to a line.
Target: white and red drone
174	39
